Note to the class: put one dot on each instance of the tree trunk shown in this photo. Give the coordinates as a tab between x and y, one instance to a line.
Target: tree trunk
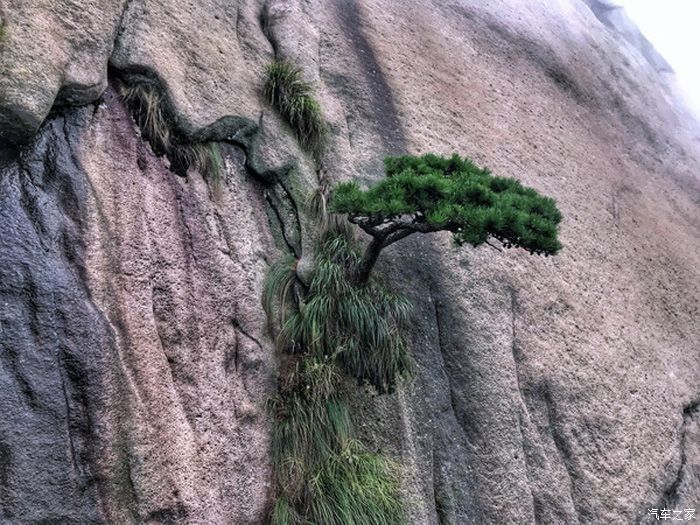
369	258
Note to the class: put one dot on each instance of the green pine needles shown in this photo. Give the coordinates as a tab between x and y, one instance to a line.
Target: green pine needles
431	193
149	110
324	475
287	92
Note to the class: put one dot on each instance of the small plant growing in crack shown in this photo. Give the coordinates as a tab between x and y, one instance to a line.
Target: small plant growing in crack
286	90
149	109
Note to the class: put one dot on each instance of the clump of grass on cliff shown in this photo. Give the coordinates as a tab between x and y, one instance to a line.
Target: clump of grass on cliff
356	487
204	156
323	473
317	206
148	107
293	97
312	423
279	286
359	326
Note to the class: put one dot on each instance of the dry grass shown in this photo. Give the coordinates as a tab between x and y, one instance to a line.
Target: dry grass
148	107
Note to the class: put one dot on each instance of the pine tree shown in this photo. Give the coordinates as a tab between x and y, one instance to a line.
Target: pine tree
432	193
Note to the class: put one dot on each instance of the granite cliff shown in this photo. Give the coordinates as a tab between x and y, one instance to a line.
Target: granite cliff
135	356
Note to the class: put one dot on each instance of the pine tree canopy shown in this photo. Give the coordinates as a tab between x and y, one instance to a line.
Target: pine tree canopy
432	193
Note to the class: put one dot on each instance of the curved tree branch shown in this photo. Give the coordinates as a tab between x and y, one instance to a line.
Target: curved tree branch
397	229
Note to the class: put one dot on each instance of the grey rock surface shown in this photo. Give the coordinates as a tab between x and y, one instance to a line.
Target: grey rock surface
135	360
613	15
52	53
56	355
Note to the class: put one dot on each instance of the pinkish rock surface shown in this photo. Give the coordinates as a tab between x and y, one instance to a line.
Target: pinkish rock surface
135	360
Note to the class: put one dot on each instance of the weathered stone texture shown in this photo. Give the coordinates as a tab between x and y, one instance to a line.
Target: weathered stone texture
52	52
135	362
134	356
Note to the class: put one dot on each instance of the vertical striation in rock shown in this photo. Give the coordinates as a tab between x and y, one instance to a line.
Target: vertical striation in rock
135	361
58	367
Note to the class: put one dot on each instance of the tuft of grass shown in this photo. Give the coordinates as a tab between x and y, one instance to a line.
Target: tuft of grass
205	157
326	222
322	473
317	206
312	424
148	107
355	487
286	91
278	286
214	162
284	514
360	327
316	420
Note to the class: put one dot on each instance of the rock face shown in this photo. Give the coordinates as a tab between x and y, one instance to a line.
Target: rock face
613	15
135	359
133	356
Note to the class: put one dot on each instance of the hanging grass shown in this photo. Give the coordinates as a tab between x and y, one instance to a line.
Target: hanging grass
284	514
312	424
326	222
278	286
318	209
354	488
323	474
351	487
205	157
359	327
329	328
148	107
287	92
